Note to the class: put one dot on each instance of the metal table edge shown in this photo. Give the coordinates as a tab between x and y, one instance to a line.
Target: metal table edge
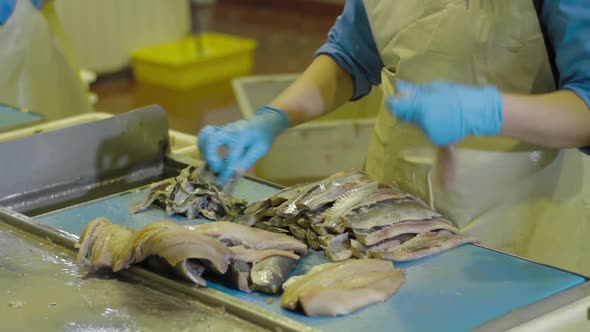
242	309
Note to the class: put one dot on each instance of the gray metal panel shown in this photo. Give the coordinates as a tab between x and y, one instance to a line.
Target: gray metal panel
73	162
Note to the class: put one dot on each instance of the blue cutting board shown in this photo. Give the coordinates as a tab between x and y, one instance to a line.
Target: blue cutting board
456	290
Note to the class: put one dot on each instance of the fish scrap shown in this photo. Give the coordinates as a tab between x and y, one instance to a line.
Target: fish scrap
340	288
247	258
191	196
349	215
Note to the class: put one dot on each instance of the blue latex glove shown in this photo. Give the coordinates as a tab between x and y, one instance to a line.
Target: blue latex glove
7	8
448	112
247	140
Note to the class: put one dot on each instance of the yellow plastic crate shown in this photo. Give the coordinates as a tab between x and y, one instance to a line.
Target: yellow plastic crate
179	66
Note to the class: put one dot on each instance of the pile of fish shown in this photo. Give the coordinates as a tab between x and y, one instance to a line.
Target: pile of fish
350	215
190	195
341	288
247	258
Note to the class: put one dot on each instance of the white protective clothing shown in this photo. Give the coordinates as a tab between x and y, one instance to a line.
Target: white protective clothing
38	72
522	199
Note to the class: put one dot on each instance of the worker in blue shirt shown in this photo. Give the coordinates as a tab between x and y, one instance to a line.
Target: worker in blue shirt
496	91
38	70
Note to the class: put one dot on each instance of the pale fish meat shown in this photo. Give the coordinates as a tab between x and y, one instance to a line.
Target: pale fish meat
423	245
234	234
100	243
189	195
341	288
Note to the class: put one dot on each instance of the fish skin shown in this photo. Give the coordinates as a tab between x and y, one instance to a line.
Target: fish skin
338	249
327	274
181	191
269	274
312	240
192	271
313	195
386	214
369	238
238	275
357	200
423	245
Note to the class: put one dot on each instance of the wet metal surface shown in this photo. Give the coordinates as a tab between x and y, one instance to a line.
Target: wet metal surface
41	289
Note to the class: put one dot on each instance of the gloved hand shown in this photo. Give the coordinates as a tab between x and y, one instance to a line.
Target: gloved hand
7	8
448	112
246	140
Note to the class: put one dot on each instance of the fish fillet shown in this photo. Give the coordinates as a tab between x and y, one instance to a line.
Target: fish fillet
343	287
327	274
249	237
386	214
100	243
240	253
423	245
414	226
353	294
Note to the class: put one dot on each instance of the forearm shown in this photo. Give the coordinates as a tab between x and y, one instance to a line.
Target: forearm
556	120
322	88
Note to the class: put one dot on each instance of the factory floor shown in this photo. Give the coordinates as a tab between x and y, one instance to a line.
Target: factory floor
287	38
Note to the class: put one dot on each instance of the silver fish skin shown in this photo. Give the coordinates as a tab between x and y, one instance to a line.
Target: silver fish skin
386	214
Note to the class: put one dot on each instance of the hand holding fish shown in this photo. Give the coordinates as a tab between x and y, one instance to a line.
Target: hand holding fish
247	140
448	113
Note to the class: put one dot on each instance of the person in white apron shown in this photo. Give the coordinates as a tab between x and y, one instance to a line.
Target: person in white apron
38	72
479	75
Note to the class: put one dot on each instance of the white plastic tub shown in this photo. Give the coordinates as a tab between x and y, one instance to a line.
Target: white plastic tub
316	149
178	141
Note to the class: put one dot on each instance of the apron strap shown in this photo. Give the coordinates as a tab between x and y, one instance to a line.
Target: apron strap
549	46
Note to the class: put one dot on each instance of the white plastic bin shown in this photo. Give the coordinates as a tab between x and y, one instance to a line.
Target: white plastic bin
317	149
179	142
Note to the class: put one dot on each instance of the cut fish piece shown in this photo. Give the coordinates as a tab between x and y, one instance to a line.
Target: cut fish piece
322	192
350	295
365	197
249	237
312	240
174	243
338	248
191	270
329	191
269	274
100	243
192	196
238	275
370	237
423	245
332	278
386	214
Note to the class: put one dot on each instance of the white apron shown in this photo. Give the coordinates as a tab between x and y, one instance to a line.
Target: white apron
522	199
36	71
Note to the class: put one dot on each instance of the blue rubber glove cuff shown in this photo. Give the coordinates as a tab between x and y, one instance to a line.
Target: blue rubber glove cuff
282	122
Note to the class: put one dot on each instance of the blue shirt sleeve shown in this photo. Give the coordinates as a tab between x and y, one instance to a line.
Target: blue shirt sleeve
351	45
567	24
